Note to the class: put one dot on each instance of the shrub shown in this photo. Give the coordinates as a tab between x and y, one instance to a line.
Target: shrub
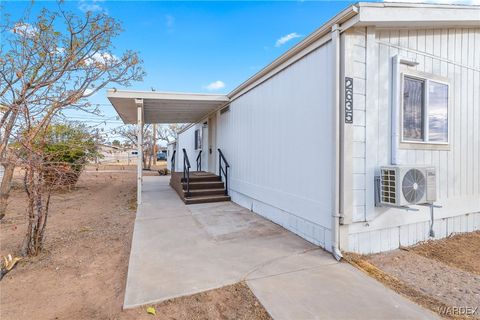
66	149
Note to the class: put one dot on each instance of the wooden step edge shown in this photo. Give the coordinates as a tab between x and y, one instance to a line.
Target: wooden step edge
206	199
201	191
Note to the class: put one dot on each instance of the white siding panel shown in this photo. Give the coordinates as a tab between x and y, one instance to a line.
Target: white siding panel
278	141
410	234
356	69
449	53
186	140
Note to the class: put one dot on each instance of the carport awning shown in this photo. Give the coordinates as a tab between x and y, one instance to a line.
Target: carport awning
164	107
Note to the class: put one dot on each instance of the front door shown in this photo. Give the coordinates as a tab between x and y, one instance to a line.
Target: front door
212	143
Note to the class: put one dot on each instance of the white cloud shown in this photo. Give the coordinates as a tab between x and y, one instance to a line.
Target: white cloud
216	85
24	29
467	2
90	6
286	38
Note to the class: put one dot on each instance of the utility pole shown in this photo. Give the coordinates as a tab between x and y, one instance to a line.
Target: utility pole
155	144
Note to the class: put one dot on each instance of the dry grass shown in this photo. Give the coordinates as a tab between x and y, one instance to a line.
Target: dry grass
455	251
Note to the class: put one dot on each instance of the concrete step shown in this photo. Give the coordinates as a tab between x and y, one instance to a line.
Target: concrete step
203	178
205	192
204	185
206	199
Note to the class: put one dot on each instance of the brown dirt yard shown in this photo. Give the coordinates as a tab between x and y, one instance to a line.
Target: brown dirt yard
81	274
442	275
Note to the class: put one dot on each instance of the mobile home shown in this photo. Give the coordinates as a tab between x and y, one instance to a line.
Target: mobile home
380	111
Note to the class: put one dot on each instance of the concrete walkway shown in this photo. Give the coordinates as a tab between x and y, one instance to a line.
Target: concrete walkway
179	250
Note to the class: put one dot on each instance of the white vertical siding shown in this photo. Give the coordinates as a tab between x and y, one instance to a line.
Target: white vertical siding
356	68
187	140
278	140
449	53
170	150
390	238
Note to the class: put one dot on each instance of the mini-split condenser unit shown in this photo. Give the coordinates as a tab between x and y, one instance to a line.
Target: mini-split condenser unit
404	186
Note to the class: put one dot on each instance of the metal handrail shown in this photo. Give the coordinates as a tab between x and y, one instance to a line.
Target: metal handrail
222	170
199	161
186	171
172	161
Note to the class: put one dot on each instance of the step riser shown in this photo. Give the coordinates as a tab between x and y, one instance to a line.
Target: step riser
213	185
197	201
202	179
201	193
203	188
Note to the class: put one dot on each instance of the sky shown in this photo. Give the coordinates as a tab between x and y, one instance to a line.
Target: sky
200	46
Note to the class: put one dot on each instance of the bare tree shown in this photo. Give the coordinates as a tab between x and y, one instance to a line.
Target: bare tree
129	132
48	64
169	132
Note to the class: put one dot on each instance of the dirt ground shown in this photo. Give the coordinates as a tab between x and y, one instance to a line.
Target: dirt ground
441	275
230	302
81	274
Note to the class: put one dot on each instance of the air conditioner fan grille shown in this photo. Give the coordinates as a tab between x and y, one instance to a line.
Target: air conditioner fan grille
413	186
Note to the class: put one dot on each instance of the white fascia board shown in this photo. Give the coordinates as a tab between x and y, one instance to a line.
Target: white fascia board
417	15
413	5
154	95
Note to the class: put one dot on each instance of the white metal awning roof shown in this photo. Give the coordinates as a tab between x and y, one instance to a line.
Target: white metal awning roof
164	107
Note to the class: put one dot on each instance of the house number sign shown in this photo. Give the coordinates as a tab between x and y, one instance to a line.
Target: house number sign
348	100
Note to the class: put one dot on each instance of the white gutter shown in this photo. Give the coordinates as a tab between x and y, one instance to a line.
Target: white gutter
335	232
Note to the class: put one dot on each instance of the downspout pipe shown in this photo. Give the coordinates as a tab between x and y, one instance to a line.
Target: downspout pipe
336	127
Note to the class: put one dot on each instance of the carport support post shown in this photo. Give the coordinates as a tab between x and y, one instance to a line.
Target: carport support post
139	103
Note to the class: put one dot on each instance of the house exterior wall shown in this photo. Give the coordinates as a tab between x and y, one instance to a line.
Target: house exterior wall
171	147
447	53
186	140
278	139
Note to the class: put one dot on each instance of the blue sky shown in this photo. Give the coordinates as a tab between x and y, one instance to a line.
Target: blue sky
202	46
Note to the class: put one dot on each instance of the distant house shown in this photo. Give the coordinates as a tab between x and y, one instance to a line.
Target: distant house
380	110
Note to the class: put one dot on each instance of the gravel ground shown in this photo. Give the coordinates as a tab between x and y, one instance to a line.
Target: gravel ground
452	286
446	270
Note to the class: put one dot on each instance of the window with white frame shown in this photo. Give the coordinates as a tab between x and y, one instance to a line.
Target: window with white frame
424	110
